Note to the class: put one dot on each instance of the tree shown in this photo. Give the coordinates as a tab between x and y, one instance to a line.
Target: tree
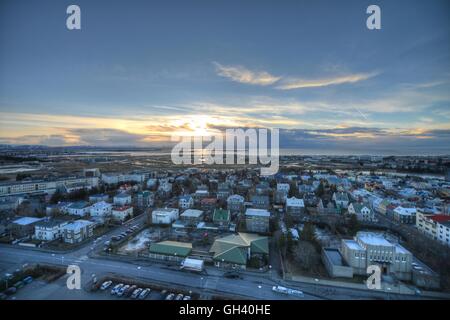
293	190
56	197
21	176
305	255
308	232
353	224
320	190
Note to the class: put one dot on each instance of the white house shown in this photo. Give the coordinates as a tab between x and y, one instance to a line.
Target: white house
77	231
283	187
121	213
186	202
341	199
165	215
101	209
405	215
49	230
444	232
80	208
98	197
295	206
362	212
122	199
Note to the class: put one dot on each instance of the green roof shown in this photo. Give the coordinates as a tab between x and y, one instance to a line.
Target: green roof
221	215
181	249
233	248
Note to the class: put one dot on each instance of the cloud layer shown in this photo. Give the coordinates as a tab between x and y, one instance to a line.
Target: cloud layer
263	78
243	75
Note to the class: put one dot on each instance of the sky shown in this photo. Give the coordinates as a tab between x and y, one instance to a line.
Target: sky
138	71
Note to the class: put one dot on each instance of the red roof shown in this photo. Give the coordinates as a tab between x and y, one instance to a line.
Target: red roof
440	218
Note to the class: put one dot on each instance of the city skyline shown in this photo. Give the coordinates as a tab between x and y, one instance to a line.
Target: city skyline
133	77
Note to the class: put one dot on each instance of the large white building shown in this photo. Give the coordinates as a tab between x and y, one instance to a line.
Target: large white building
80	208
77	231
122	199
121	213
404	215
49	230
370	248
45	186
295	206
435	226
101	209
112	178
165	215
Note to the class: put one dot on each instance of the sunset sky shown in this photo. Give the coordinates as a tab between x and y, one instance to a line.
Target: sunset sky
138	71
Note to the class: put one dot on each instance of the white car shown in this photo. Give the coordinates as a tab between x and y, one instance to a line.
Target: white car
105	285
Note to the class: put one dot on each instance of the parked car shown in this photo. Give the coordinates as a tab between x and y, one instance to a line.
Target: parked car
179	297
187	298
129	291
19	284
164	292
170	296
232	275
116	288
10	291
28	279
105	285
122	290
136	293
144	294
3	296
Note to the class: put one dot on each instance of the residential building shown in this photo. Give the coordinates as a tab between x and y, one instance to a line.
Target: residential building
48	230
10	203
208	204
405	215
185	202
77	231
122	199
192	217
285	187
98	198
122	213
295	207
235	203
444	232
222	217
223	191
257	220
44	186
341	200
260	202
101	209
145	199
362	212
434	226
24	226
165	215
79	208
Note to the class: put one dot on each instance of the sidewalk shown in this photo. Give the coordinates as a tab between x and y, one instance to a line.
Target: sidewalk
385	287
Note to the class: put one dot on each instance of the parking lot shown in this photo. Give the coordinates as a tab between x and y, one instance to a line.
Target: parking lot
118	289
